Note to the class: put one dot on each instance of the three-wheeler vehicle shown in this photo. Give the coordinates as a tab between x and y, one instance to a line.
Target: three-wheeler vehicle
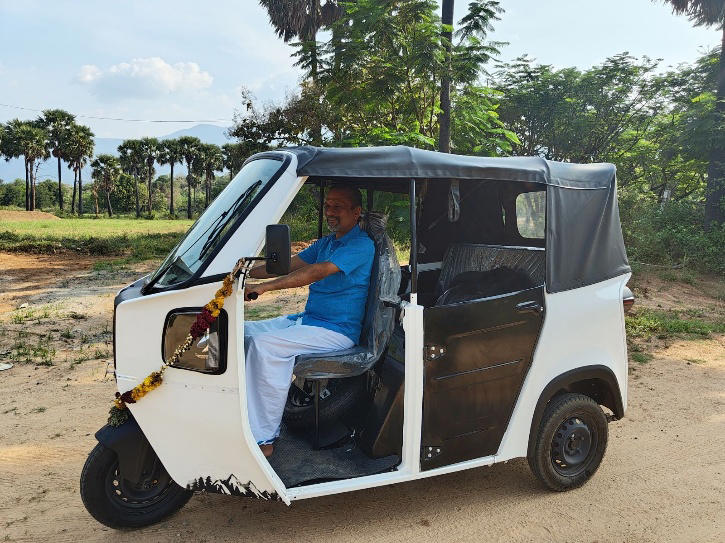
503	336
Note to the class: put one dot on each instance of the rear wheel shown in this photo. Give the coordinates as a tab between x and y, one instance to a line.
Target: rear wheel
119	503
338	398
571	442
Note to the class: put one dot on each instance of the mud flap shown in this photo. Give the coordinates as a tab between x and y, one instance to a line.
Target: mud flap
135	454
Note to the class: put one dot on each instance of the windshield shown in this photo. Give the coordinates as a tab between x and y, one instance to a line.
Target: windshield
235	201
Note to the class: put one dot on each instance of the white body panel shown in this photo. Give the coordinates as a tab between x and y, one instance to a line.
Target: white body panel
582	327
197	423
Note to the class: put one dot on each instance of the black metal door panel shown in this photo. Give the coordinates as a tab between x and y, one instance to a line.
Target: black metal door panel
476	357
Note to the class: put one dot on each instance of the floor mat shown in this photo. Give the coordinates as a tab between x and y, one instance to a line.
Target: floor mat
296	462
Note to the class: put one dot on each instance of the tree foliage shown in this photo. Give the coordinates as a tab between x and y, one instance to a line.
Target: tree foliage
379	83
106	170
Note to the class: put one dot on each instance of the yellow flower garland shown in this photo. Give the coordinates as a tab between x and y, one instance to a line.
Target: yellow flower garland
118	413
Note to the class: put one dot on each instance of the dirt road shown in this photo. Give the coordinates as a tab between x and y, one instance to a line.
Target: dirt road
662	479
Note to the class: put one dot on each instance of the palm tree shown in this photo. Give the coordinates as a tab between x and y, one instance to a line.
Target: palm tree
444	117
169	154
302	19
58	123
149	150
79	150
189	150
106	169
132	163
211	160
11	149
712	13
32	143
476	24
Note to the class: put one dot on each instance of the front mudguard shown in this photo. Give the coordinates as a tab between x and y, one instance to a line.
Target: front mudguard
135	454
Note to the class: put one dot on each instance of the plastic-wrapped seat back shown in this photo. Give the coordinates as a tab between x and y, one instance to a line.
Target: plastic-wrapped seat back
472	271
384	285
379	318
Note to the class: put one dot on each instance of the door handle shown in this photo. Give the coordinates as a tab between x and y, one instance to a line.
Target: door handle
531	306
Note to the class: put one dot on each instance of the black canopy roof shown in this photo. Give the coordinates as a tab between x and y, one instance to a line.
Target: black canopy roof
407	162
584	243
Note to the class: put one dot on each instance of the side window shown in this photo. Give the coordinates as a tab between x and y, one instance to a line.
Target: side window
531	214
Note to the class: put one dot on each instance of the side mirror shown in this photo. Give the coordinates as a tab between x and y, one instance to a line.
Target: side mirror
277	249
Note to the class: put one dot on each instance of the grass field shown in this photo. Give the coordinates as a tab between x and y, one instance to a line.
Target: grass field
132	239
103	228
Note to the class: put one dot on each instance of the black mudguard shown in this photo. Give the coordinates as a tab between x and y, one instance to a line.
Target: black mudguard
597	382
135	454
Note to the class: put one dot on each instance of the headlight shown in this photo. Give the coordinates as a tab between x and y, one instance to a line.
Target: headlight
208	353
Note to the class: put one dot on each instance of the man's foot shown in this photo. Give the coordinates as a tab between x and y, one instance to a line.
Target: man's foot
267	450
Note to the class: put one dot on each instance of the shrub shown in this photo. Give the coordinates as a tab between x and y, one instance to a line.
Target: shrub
672	233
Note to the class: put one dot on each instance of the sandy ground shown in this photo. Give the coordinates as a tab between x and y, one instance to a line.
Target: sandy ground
9	215
662	479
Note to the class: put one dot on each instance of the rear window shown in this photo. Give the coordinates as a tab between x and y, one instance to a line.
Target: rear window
531	214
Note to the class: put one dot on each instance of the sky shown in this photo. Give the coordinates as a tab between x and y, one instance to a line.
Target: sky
188	60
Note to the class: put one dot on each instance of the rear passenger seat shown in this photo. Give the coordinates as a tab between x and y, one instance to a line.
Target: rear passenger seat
467	261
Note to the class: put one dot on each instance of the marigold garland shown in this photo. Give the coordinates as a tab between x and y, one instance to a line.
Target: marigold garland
119	411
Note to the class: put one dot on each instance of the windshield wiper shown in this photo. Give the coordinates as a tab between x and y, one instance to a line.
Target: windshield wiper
218	225
215	225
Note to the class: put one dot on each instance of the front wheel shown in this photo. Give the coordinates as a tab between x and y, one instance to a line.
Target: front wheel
571	442
118	503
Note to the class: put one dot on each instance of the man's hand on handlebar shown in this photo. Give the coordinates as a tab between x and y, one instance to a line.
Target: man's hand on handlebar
252	292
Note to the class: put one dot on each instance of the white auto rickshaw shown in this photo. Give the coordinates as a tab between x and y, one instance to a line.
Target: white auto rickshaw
503	337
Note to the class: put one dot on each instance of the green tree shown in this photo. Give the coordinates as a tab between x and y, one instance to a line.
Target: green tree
10	148
133	163
123	195
58	124
26	139
712	13
149	151
106	170
211	160
473	32
12	193
574	115
391	61
233	157
79	150
302	20
444	116
33	142
189	149
169	153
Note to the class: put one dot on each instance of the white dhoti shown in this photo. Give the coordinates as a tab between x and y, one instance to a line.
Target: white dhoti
270	348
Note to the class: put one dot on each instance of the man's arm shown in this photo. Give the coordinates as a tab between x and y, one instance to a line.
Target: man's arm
302	276
259	272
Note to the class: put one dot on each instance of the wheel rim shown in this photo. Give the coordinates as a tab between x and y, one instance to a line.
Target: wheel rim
151	489
573	446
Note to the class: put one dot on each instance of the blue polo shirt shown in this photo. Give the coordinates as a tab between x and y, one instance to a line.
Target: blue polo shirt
337	302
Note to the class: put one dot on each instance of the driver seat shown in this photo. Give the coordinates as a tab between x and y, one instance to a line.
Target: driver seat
378	321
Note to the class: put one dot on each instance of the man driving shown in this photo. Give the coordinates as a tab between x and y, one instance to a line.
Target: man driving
337	269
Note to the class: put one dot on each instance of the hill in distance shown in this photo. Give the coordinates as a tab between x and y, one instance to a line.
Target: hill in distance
207	133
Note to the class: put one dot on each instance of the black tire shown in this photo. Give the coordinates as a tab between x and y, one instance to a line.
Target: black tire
119	504
337	400
570	443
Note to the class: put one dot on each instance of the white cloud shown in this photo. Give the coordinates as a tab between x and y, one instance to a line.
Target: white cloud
89	73
143	78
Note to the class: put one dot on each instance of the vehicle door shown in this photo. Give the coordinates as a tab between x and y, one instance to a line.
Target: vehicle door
477	355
